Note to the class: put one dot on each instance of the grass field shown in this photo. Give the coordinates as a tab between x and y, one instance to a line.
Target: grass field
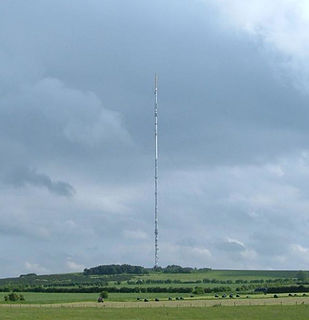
300	312
41	298
222	275
50	298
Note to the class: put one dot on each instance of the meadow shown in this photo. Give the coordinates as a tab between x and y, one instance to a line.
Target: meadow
300	312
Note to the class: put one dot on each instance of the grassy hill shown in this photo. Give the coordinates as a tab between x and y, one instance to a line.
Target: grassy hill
247	279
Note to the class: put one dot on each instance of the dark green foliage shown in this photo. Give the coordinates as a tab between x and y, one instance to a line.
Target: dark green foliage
13	297
177	269
104	294
28	275
115	269
287	289
108	289
301	275
198	290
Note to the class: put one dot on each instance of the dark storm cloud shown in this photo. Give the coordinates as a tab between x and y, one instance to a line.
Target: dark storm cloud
21	177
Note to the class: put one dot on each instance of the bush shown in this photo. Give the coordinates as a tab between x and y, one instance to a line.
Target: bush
14	297
198	290
104	294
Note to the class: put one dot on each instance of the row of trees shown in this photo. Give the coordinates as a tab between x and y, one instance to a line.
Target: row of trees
197	290
115	269
284	289
241	281
175	269
126	268
108	289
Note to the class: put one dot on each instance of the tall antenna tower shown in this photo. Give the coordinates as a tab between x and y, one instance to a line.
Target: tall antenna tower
156	257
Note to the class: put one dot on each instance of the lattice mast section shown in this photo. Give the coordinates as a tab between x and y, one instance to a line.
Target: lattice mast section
156	257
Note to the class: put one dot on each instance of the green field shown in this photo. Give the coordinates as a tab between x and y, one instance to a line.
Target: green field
79	287
48	298
214	313
223	275
62	298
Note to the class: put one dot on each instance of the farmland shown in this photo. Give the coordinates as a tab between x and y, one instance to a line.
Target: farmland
197	294
199	284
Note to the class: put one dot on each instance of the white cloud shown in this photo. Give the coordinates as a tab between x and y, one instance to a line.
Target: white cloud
281	25
35	268
237	242
73	266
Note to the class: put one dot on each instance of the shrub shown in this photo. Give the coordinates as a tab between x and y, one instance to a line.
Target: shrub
104	294
14	297
198	290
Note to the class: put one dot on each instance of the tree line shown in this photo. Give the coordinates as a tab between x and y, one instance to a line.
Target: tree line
115	269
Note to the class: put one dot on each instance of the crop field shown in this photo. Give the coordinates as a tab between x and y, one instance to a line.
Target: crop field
300	312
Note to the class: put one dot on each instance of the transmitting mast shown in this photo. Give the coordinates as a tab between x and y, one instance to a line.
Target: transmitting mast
156	257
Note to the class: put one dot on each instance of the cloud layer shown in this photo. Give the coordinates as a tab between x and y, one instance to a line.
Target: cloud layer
282	28
76	134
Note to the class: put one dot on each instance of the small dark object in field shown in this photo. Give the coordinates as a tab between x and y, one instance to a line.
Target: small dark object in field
100	299
181	298
170	298
192	296
224	296
138	299
216	296
156	299
295	295
304	295
146	300
247	297
177	298
231	295
237	295
290	295
275	296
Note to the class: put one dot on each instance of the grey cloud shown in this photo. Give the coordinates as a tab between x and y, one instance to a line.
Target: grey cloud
77	103
22	176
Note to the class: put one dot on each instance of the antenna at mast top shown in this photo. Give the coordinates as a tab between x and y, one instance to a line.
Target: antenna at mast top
156	257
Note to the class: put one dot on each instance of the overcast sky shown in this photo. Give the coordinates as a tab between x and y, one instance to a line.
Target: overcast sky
76	133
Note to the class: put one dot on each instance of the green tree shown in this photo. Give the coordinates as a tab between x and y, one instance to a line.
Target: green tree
13	297
301	275
198	290
104	294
